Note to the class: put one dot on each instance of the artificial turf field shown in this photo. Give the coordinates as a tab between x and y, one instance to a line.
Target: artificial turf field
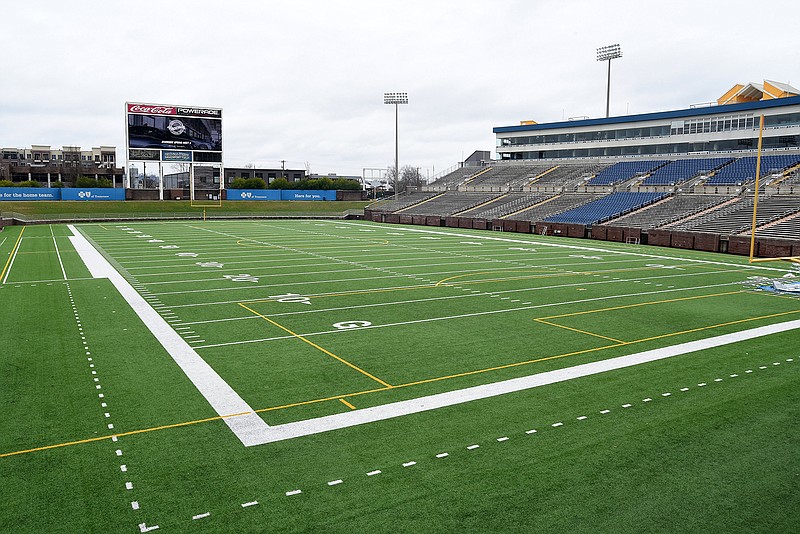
270	306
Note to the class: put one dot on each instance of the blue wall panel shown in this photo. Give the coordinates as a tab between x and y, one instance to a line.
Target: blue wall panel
30	193
92	193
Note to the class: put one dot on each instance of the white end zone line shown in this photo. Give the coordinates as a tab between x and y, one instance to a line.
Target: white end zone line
248	427
433	402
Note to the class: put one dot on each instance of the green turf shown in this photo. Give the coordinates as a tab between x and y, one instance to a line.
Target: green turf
717	457
176	207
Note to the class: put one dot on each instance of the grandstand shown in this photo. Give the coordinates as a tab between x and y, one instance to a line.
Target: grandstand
565	177
668	210
453	179
787	226
736	217
625	170
507	177
404	201
552	206
449	203
505	205
743	170
679	171
606	208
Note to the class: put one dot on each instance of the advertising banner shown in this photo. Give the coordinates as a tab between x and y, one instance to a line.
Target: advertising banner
295	194
254	194
280	194
30	193
93	193
174	127
144	154
176	155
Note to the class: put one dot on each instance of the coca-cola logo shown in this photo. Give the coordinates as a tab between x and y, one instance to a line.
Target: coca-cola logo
153	110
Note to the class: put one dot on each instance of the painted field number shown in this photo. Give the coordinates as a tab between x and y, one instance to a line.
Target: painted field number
347	325
292	298
244	277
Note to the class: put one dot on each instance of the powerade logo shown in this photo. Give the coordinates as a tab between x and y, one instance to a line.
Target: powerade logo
84	194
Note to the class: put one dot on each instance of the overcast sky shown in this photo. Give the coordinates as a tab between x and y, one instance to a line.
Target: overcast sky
303	80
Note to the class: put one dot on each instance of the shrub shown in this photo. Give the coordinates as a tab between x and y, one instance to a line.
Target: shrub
85	181
280	183
248	183
256	183
7	183
59	184
29	183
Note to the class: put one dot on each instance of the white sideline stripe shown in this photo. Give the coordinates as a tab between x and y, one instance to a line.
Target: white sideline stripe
14	257
451	398
61	263
249	428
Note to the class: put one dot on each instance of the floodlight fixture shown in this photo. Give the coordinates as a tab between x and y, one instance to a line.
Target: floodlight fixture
607	53
396	99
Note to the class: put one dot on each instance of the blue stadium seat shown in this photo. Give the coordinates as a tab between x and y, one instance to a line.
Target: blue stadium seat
624	170
682	170
606	208
743	170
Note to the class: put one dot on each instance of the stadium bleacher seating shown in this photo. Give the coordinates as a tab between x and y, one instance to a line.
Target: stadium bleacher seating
557	204
454	179
567	176
506	204
449	203
625	170
555	192
670	209
606	208
681	170
737	217
783	229
510	176
743	170
403	201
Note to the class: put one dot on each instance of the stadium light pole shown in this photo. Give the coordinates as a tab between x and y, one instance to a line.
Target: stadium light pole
396	99
607	53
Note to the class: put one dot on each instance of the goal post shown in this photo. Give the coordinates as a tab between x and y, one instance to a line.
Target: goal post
752	259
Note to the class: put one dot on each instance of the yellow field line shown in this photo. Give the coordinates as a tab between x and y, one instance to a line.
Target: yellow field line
332	355
443	280
317	401
12	254
738	321
408	384
579	331
121	434
347	404
639	304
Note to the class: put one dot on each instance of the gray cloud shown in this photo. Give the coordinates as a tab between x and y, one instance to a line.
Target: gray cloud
303	80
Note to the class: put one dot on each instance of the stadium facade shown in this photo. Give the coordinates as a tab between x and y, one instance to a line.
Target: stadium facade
729	127
46	165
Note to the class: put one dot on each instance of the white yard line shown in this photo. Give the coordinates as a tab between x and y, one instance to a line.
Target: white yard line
14	257
441	400
61	263
248	427
577	247
3	241
469	315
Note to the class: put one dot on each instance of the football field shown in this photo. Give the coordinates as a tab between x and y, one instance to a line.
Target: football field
349	376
